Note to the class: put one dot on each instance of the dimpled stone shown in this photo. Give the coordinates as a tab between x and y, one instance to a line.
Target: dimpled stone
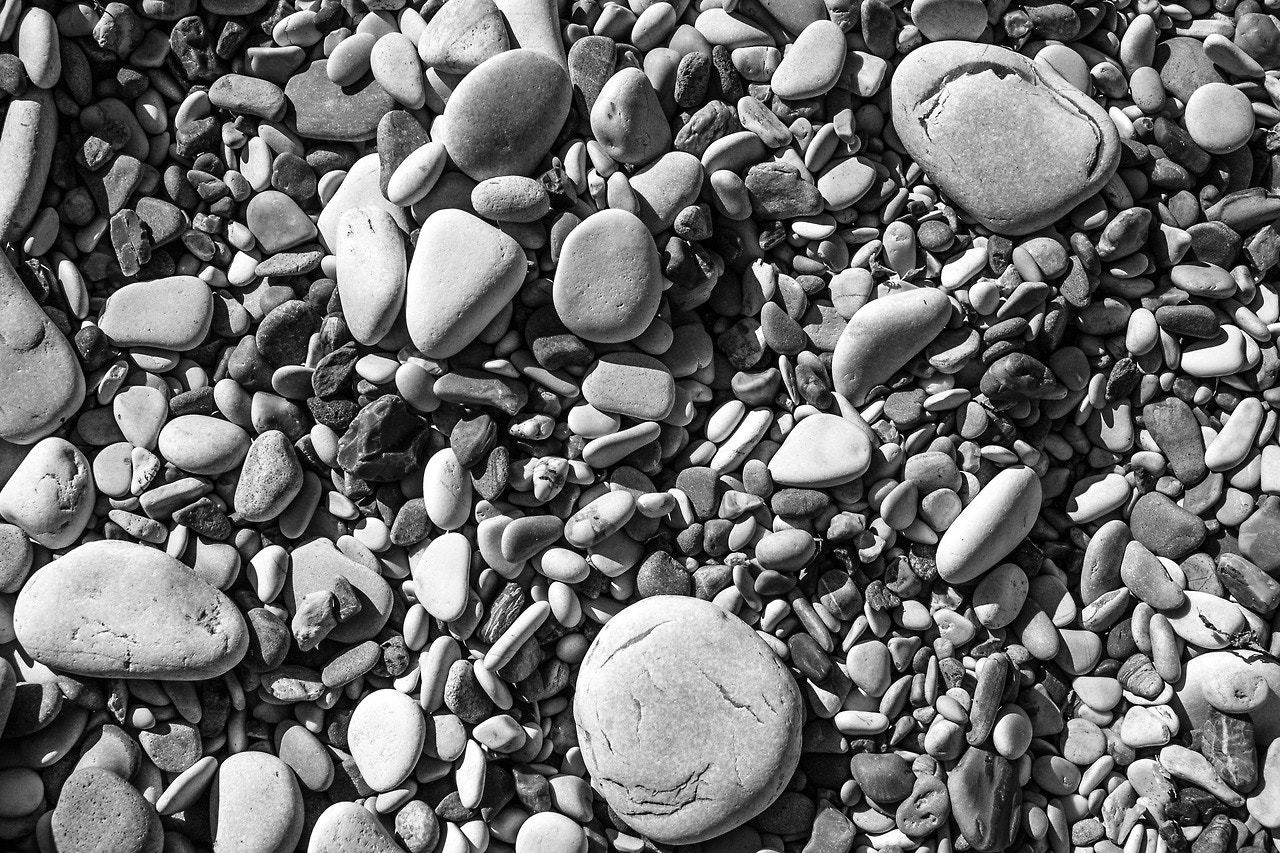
464	272
41	384
609	281
51	494
99	811
461	35
627	118
1009	140
822	450
682	770
884	335
991	526
116	609
503	117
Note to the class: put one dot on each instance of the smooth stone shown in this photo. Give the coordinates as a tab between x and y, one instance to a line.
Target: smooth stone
372	271
270	478
152	616
1183	66
711	761
1018	147
1177	433
41	381
360	188
631	384
395	65
202	444
255	804
609	279
511	198
169	313
313	568
940	20
1000	595
141	412
1166	528
462	35
991	526
350	828
821	451
29	137
1148	579
99	811
812	65
1219	118
627	119
324	110
464	272
504	116
551	832
277	221
51	494
883	335
665	187
385	736
1206	620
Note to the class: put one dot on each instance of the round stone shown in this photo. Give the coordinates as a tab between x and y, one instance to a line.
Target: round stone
97	810
255	804
1219	118
609	281
385	737
504	115
688	723
822	450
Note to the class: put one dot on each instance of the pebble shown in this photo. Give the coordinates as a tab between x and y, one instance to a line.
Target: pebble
255	803
630	384
883	336
51	494
608	283
97	810
1071	146
463	272
740	704
40	381
990	526
371	272
505	114
1219	118
181	629
627	119
822	450
460	37
169	313
386	735
812	64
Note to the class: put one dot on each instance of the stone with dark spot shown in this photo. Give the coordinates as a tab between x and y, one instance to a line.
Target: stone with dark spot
99	811
385	441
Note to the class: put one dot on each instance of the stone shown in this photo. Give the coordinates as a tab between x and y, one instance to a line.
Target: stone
385	441
51	494
324	110
26	154
1008	139
462	35
463	274
169	313
385	737
151	616
270	478
99	811
821	451
627	119
883	335
371	272
631	384
202	444
985	799
991	526
350	828
504	115
813	63
315	565
41	383
709	762
255	804
609	279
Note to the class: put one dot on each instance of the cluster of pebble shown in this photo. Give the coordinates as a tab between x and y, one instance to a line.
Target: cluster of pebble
548	427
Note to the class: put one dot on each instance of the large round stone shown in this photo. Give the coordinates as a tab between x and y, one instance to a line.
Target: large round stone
1012	142
688	723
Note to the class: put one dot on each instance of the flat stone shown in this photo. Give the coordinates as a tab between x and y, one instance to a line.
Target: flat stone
464	272
151	616
985	799
710	761
324	110
313	568
1009	140
631	384
503	117
172	313
821	451
1166	528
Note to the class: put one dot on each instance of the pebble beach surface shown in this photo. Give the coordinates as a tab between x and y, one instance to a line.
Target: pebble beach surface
570	426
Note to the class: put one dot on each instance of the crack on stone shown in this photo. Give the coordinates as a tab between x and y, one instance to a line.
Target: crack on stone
644	799
631	642
725	694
